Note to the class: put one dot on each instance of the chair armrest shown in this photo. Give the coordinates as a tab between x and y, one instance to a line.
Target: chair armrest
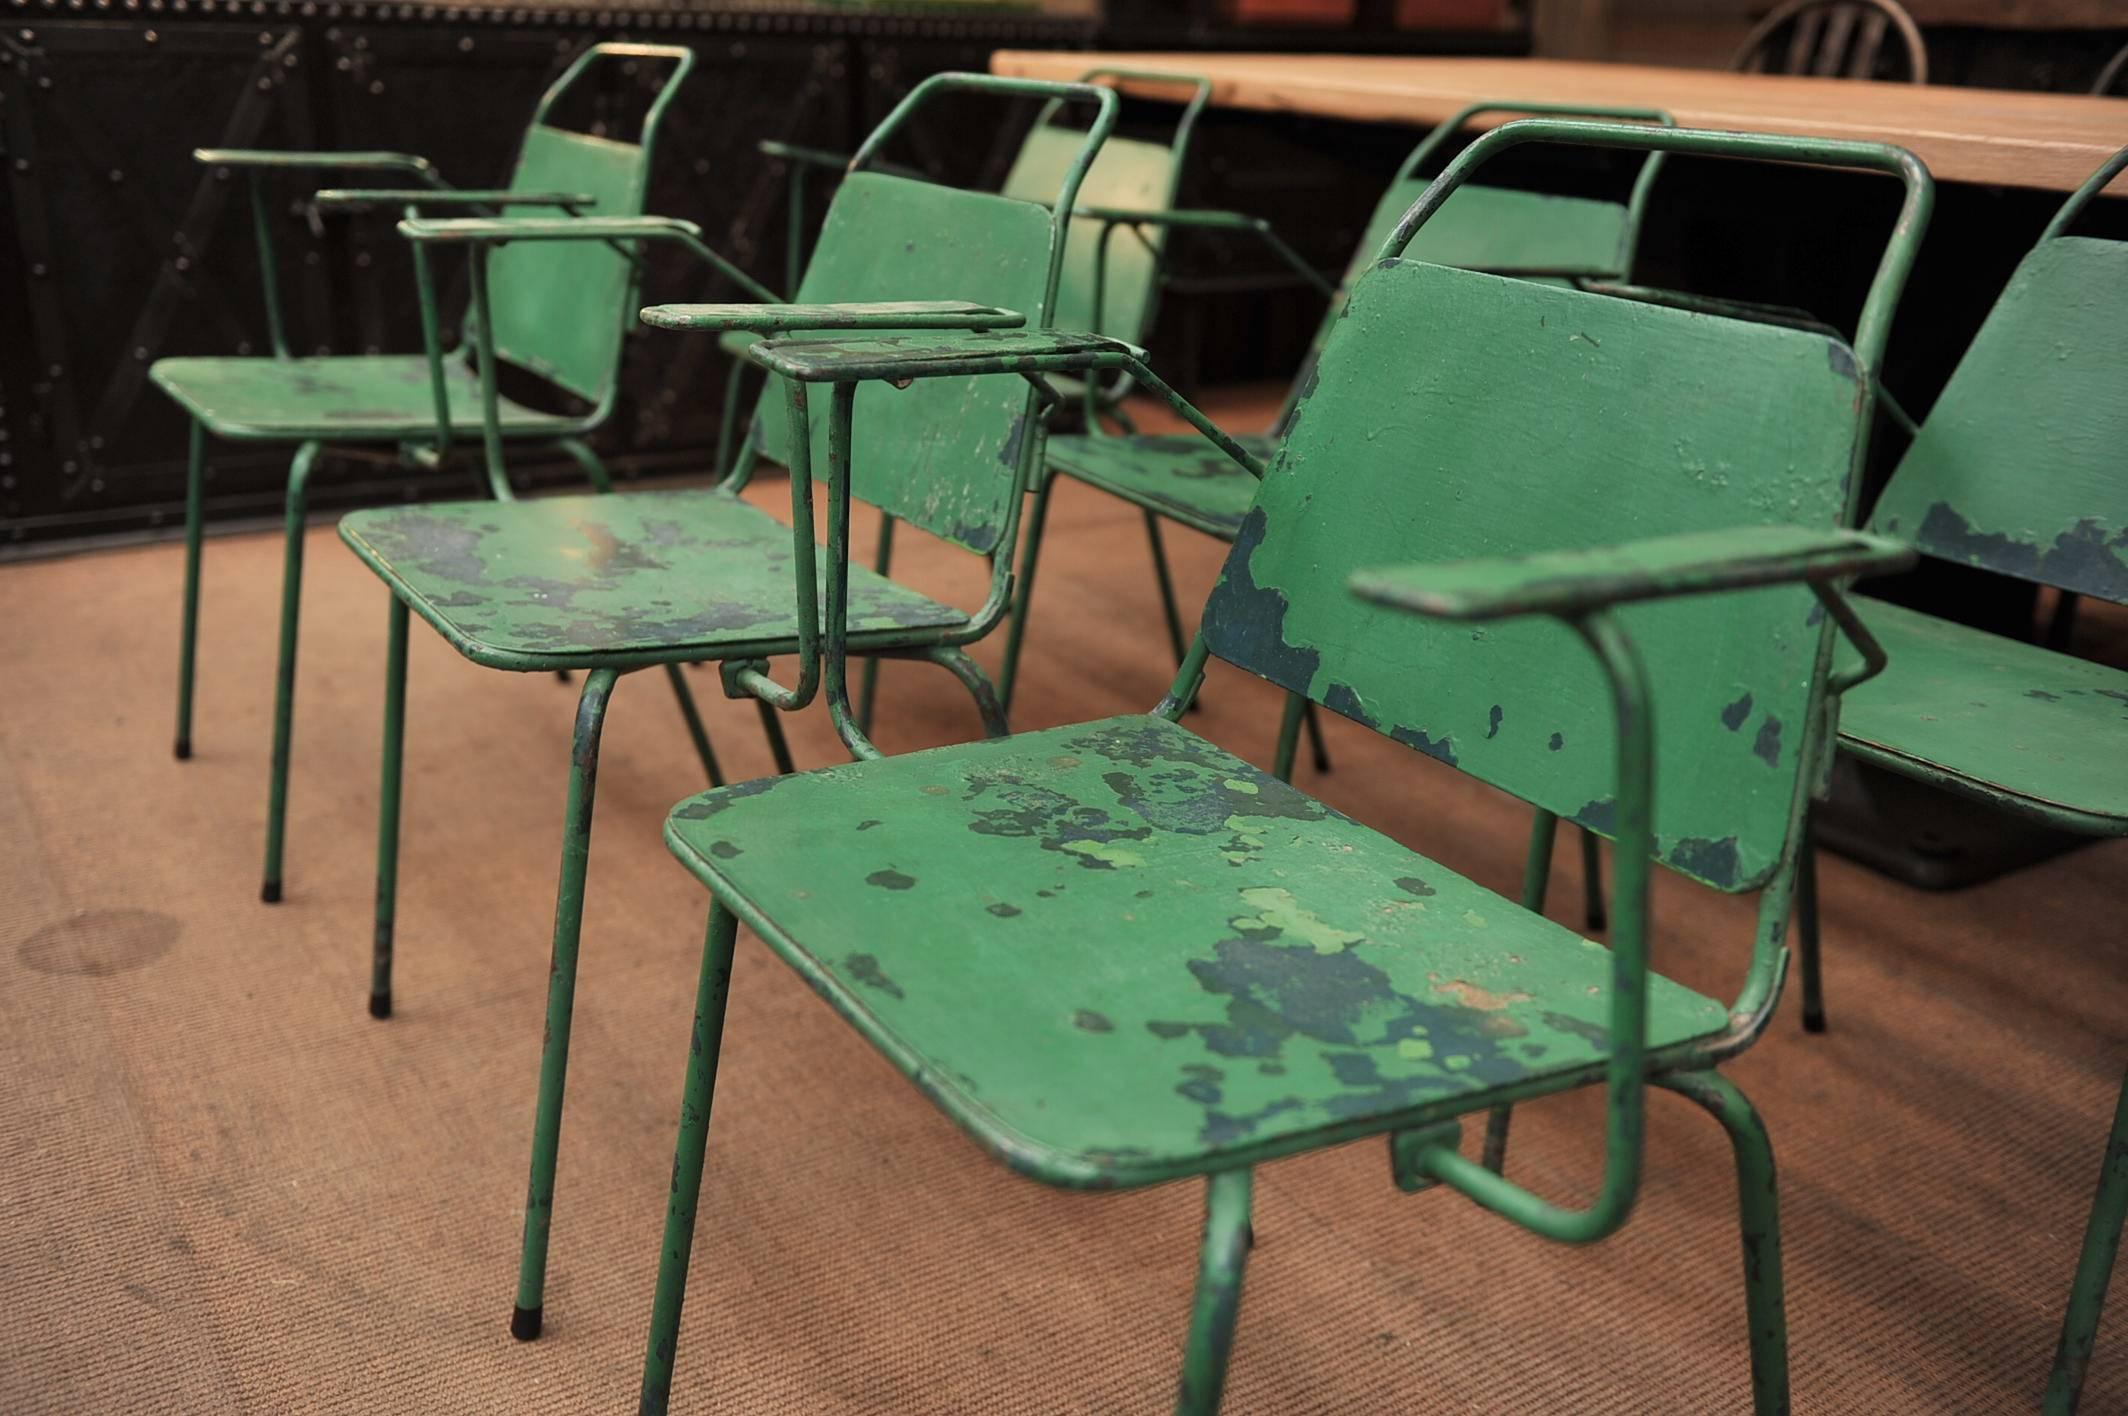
882	314
798	152
946	354
347	198
494	230
1210	220
1574	582
298	161
501	230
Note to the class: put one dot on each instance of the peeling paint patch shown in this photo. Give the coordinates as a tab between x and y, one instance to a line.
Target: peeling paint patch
891	880
865	969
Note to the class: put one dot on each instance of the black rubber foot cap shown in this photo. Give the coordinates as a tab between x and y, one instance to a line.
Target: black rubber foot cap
524	1323
1598	923
1813	1023
184	749
380	1005
270	892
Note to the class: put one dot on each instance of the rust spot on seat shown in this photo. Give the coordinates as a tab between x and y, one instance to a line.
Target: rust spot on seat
1472	996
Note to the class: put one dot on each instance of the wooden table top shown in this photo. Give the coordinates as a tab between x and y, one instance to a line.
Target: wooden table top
2042	140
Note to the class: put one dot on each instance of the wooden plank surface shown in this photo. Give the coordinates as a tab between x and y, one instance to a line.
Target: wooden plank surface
2048	141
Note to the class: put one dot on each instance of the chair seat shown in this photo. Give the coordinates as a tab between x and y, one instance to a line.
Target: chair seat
1180	476
2026	728
1116	954
641	576
348	398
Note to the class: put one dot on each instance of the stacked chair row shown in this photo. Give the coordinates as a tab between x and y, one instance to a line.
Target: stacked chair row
1450	535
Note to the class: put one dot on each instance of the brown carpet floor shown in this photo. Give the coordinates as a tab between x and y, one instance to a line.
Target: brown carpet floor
224	1188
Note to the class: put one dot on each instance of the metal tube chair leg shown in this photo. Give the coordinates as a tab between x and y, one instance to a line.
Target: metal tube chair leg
957	662
1808	956
1536	884
284	697
594	469
1318	751
711	990
728	449
1593	912
380	969
695	730
2094	1267
561	999
1168	609
195	476
1288	736
868	687
1758	1209
1221	1260
1016	632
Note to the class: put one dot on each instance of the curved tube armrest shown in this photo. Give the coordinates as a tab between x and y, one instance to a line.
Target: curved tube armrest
1029	353
500	230
354	198
1582	588
799	153
898	358
496	230
880	314
266	158
1569	583
1208	220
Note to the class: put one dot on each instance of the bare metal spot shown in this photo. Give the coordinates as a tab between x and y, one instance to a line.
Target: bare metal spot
1472	996
100	943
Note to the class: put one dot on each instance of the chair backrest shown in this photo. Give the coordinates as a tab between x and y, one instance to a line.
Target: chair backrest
1509	231
561	307
2021	467
1137	174
1503	230
940	454
1458	414
1836	39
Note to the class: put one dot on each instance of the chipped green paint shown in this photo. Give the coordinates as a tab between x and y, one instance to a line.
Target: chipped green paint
2012	723
1488	228
646	577
1304	955
2017	468
1506	459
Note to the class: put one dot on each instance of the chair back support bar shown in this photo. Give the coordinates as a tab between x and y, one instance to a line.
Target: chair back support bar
948	453
2021	467
1518	422
1509	231
1504	230
561	308
1136	174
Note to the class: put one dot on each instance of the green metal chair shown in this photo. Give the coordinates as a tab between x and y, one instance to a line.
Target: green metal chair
608	585
1117	955
559	320
2017	470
